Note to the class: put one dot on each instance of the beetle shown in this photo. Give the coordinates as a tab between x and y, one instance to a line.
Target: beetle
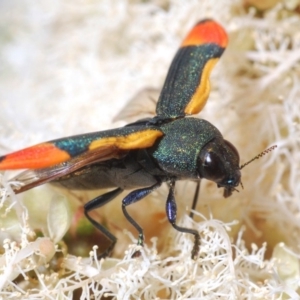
144	154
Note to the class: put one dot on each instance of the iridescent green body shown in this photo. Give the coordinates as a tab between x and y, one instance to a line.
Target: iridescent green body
147	153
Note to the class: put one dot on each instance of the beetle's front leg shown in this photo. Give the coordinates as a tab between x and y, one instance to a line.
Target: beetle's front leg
133	197
171	210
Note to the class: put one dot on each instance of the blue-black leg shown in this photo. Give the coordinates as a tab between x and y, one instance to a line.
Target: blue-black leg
134	197
96	203
171	210
195	200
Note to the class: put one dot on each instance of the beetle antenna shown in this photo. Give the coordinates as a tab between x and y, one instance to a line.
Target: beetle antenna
259	156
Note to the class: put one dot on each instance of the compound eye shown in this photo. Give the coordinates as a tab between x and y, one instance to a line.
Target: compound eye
233	149
213	167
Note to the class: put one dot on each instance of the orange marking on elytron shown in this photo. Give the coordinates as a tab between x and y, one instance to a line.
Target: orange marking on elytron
206	32
35	157
201	94
138	140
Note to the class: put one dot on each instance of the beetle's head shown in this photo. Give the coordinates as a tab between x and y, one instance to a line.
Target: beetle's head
218	161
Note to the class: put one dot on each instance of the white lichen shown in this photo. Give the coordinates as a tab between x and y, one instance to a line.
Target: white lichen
69	67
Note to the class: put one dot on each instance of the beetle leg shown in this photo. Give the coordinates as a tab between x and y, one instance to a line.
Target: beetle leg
133	197
98	202
171	210
195	200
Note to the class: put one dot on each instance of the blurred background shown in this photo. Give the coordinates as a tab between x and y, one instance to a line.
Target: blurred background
70	67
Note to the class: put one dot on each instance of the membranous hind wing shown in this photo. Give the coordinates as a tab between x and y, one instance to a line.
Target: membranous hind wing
187	86
141	106
51	160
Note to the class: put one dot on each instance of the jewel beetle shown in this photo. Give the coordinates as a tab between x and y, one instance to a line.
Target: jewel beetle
144	154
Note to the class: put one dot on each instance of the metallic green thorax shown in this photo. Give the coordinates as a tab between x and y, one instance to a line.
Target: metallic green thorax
178	150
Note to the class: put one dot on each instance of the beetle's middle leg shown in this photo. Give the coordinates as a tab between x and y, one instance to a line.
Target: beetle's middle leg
133	197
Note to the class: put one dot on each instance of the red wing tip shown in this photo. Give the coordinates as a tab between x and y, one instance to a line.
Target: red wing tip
35	157
205	32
